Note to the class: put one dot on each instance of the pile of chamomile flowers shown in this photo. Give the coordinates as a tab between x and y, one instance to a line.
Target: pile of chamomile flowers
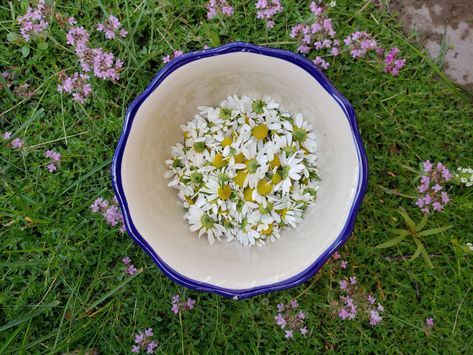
245	170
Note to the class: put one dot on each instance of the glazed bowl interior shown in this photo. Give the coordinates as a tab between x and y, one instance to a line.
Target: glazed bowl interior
153	207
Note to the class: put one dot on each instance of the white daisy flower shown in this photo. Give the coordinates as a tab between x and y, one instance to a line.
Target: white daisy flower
291	169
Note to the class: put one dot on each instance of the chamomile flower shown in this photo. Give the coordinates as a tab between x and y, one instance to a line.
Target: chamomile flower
291	169
245	170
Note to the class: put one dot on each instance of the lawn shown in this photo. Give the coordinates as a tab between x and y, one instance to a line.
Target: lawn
63	285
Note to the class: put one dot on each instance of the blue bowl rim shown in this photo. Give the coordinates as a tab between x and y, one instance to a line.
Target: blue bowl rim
293	58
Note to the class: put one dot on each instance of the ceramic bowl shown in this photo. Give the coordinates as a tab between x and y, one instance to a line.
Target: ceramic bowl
155	221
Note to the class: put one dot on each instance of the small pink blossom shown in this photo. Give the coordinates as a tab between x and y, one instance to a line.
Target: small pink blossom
51	167
181	306
111	27
429	322
375	318
176	53
6	135
267	9
76	85
432	182
53	155
392	64
344	264
291	320
33	21
17	143
110	211
144	341
214	7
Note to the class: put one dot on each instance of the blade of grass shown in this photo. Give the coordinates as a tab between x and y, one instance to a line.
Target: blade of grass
434	231
28	316
111	292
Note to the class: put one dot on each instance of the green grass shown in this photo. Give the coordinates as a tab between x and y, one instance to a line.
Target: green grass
62	287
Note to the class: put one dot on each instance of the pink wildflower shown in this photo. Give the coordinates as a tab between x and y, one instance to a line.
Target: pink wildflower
111	27
344	264
360	43
392	64
214	7
78	37
17	143
77	85
290	320
6	135
267	9
434	197
319	35
181	306
429	322
176	53
33	21
110	211
144	341
53	155
51	167
321	63
375	318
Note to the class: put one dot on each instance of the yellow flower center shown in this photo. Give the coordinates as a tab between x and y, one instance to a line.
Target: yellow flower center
276	179
189	200
224	192
227	141
268	230
239	158
275	163
264	187
260	132
247	194
283	212
240	178
218	161
186	135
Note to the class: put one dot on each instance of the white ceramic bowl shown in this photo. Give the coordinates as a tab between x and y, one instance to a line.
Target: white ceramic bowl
155	221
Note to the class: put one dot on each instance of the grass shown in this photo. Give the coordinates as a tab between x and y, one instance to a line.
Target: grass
62	286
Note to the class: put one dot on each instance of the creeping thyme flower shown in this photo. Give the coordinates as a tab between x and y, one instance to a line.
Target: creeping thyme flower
214	7
33	21
393	64
76	85
17	143
110	211
432	187
429	322
360	43
319	35
55	158
267	9
130	269
245	170
78	37
97	61
181	306
111	27
175	54
290	319
143	342
353	301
